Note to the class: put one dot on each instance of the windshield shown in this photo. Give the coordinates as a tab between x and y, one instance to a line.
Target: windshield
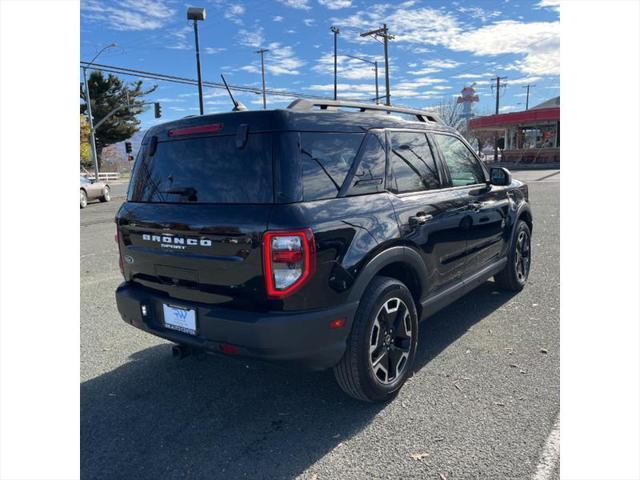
205	170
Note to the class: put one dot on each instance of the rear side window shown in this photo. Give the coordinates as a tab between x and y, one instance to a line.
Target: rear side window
326	161
412	165
205	170
369	174
463	166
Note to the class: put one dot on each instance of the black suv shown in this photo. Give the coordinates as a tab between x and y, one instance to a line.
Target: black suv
314	234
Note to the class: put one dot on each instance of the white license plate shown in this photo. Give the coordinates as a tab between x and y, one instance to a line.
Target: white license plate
181	319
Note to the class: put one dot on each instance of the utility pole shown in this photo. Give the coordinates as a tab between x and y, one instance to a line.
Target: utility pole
384	33
335	31
262	51
527	87
495	137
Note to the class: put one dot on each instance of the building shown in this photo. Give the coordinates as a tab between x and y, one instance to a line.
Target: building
530	137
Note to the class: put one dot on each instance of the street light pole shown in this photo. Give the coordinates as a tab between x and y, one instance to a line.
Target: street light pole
375	67
87	98
335	31
195	14
264	93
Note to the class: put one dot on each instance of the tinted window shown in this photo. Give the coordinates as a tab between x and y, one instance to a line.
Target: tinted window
412	165
326	160
369	175
84	181
205	170
463	166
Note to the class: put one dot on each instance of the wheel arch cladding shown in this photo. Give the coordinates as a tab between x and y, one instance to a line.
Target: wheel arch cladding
399	262
526	217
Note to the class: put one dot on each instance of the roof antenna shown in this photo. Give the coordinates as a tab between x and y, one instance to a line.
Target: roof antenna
237	106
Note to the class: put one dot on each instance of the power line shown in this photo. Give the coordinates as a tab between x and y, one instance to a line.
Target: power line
191	81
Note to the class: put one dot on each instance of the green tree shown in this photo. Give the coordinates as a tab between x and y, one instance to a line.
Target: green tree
108	93
85	148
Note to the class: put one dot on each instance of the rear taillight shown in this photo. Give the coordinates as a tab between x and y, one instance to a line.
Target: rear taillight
120	262
289	260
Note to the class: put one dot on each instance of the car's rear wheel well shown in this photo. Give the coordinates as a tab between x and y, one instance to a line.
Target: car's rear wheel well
406	274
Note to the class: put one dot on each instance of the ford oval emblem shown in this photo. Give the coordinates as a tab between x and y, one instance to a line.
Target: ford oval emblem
128	259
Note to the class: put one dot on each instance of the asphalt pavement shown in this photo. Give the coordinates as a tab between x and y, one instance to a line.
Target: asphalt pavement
481	404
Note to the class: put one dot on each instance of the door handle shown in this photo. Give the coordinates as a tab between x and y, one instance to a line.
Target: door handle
420	218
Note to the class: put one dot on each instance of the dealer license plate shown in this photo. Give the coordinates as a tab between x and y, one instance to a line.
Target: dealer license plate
180	319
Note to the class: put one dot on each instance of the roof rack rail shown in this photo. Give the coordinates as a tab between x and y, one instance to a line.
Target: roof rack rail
305	104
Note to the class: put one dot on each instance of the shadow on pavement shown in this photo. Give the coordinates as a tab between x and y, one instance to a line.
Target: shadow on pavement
155	417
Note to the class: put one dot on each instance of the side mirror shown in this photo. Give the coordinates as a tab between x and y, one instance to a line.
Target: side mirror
500	176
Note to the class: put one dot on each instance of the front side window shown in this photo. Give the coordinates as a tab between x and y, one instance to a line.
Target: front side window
463	167
412	165
326	161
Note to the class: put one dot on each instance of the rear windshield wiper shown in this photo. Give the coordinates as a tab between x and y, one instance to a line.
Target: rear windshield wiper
189	192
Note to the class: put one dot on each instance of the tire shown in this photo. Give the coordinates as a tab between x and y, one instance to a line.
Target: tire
364	373
83	199
106	195
515	274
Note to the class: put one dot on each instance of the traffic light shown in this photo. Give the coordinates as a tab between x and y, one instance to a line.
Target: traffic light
127	147
158	110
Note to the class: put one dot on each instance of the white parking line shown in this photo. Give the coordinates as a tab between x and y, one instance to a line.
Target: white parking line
550	454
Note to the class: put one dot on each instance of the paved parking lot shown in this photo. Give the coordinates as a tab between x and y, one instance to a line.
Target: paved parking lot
481	404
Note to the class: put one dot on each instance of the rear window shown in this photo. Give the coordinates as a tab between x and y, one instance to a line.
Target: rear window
326	161
205	170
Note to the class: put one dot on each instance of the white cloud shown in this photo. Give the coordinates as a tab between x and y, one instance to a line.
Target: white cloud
214	50
251	38
278	18
423	25
553	4
538	41
179	38
234	12
309	21
128	15
473	75
480	13
335	4
298	4
279	60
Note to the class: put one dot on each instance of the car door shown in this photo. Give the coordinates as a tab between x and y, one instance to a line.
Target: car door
487	205
430	217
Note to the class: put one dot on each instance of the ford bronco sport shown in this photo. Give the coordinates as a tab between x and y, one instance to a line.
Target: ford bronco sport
314	234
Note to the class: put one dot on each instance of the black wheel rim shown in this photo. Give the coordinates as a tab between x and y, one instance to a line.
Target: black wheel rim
390	341
523	255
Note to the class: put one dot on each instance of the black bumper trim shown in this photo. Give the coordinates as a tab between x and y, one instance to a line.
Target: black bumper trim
303	338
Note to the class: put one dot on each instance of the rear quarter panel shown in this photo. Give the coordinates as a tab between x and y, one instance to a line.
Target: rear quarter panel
348	232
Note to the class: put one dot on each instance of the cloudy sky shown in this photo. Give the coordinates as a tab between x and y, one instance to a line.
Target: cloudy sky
439	47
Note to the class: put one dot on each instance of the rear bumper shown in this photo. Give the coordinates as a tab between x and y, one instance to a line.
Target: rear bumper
303	338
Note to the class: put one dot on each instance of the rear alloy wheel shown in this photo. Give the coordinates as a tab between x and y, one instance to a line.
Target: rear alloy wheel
83	199
390	341
382	345
106	195
516	272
